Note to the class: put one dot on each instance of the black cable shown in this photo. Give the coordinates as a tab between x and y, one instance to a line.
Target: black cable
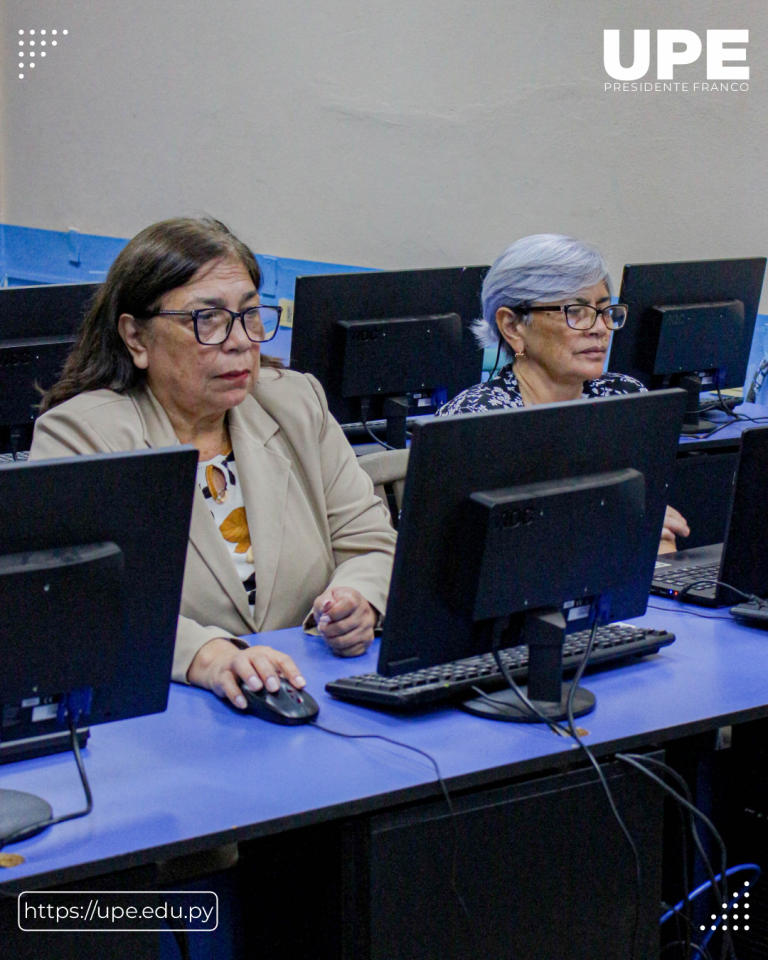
686	890
52	821
692	825
529	704
439	776
689	613
570	730
702	951
606	789
182	942
739	416
364	406
711	581
637	760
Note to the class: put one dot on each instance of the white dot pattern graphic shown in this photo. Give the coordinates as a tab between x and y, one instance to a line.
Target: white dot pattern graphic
32	43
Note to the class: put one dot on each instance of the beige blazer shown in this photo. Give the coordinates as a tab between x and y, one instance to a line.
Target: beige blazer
312	514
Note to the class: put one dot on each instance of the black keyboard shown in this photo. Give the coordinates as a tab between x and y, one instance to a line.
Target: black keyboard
450	681
679	578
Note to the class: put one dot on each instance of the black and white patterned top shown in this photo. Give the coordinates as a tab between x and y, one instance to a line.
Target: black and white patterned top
503	392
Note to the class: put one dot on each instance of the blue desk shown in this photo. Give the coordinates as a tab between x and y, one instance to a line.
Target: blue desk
731	432
200	775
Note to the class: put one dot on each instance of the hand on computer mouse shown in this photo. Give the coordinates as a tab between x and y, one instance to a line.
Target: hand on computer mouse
675	525
345	620
219	666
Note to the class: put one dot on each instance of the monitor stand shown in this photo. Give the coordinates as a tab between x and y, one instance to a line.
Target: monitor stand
395	412
692	425
544	631
22	812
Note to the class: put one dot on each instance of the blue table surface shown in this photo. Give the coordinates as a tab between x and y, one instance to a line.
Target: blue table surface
729	431
200	771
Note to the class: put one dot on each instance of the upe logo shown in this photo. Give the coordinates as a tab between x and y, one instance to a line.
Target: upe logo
677	48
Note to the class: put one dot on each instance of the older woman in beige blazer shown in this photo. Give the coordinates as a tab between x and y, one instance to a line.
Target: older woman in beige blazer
141	376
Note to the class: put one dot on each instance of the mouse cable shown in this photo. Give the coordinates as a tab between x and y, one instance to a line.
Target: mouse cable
448	801
689	613
721	893
52	821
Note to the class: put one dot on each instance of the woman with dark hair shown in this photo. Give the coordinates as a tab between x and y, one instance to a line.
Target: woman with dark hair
285	525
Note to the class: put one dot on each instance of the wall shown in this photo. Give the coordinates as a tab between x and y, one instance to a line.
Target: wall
392	134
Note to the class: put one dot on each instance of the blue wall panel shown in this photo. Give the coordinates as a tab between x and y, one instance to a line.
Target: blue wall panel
29	256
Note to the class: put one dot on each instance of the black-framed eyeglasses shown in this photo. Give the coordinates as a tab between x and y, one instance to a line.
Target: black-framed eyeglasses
214	324
583	316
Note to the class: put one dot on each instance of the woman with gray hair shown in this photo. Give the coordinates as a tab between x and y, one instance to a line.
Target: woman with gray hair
547	306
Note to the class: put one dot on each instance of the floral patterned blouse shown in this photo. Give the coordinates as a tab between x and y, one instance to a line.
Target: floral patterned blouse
504	392
217	478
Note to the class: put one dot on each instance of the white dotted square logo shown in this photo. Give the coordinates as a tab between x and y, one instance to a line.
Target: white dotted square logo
34	45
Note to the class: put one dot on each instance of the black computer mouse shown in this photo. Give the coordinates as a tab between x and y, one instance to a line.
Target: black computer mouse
287	705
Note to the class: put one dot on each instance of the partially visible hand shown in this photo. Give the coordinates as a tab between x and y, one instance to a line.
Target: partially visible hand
219	666
675	525
345	620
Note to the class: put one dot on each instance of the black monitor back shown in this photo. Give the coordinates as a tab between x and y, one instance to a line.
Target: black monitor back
112	498
453	457
37	328
654	343
322	301
745	560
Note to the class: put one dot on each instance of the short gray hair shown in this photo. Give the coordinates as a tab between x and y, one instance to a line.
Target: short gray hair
546	266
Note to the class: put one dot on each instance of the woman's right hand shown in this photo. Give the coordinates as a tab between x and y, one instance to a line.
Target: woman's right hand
219	666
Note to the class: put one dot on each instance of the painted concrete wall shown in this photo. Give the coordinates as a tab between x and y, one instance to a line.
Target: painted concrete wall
404	133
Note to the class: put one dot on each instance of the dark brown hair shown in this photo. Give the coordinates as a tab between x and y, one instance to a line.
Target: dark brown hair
159	259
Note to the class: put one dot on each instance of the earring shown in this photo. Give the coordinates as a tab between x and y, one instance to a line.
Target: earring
519	354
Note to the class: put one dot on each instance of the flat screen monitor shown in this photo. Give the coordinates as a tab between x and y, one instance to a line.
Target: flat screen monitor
388	345
37	329
511	517
690	324
75	534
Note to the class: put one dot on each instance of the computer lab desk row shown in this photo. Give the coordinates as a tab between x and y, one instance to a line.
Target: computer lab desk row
532	829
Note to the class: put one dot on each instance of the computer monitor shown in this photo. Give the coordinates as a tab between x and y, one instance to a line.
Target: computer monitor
91	569
387	345
37	330
533	521
690	324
